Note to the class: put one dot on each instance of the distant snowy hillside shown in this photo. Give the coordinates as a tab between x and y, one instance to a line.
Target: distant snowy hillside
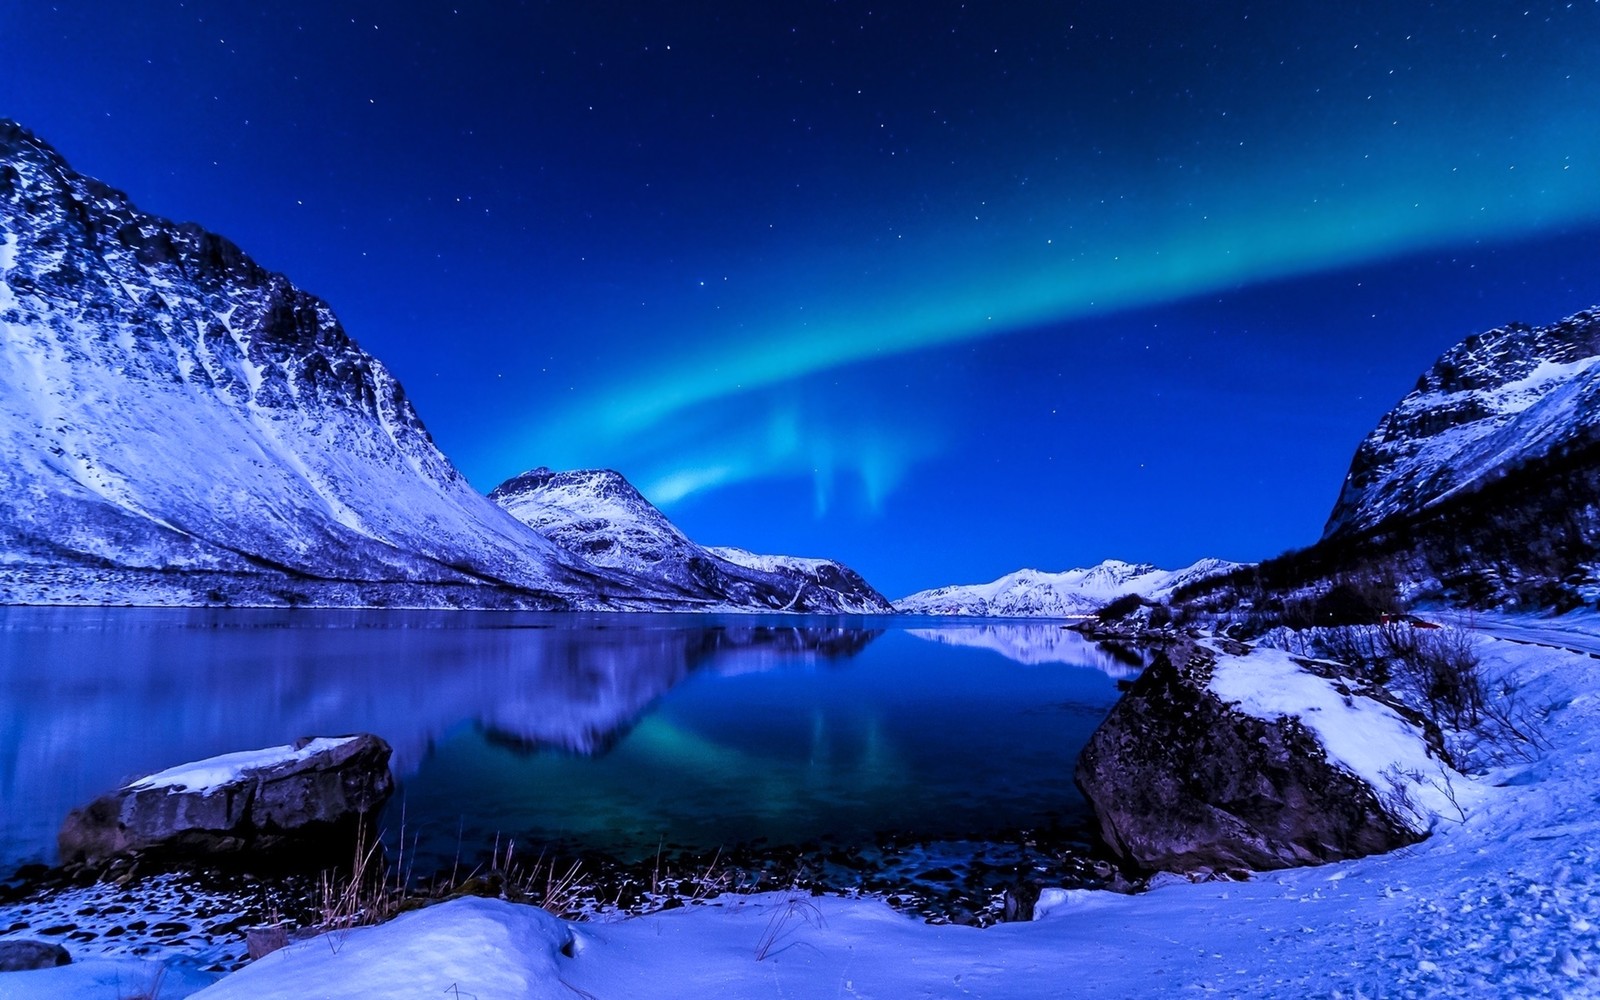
599	516
179	425
1489	406
1029	593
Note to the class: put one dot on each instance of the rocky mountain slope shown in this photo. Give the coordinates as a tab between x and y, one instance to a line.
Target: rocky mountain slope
178	422
1488	407
598	516
179	425
1480	488
1029	593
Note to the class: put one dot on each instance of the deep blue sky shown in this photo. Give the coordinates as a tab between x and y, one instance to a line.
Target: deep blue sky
939	289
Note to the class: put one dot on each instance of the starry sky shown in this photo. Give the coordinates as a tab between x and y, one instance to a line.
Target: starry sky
940	289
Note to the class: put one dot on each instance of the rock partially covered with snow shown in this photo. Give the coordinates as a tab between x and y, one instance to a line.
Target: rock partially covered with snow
310	796
1075	593
1238	759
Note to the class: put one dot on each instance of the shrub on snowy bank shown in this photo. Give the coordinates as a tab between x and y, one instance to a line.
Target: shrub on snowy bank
1436	671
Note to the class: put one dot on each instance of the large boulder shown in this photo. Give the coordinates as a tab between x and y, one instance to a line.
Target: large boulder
305	802
1220	757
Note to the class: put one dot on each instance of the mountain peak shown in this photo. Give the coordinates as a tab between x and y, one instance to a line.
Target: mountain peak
1494	401
598	515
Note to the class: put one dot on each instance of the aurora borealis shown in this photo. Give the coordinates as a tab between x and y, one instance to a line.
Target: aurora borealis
938	289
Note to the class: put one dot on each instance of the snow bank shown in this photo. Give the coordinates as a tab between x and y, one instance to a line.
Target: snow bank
482	948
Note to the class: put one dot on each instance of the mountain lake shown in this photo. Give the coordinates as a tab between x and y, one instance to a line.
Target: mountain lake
854	754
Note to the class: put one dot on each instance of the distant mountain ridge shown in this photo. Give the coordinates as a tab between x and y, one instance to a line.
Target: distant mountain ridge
179	425
1074	593
599	516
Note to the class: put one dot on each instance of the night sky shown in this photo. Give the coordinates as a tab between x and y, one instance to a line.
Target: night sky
938	289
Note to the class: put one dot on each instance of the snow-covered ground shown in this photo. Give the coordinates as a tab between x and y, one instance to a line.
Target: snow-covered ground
1501	902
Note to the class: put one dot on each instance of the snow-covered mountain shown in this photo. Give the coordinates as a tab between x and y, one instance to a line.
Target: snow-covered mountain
1480	488
179	425
1488	407
597	515
1029	593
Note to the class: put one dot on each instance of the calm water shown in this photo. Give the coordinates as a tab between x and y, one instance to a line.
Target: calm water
612	732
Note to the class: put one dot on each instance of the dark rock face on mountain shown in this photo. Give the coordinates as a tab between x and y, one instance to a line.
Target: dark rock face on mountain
597	515
175	417
1488	408
1180	780
307	800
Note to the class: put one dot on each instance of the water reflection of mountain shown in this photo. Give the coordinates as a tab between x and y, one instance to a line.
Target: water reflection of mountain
94	697
525	724
746	649
1035	643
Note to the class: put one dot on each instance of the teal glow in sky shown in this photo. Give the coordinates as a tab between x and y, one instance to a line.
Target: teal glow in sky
941	289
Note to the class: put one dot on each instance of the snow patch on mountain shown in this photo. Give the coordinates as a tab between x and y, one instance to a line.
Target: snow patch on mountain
1074	593
769	564
597	514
